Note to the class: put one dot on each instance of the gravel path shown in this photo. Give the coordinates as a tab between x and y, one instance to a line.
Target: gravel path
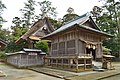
23	74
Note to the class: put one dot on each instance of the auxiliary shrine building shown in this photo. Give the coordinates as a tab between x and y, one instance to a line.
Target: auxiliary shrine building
76	43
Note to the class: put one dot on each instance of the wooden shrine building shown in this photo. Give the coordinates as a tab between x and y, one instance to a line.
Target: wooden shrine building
39	29
26	57
76	43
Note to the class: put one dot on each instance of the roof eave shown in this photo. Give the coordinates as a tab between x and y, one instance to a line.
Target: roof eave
85	27
49	35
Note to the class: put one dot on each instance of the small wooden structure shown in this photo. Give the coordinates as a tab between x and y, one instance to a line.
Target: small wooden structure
27	57
39	29
107	62
2	43
76	43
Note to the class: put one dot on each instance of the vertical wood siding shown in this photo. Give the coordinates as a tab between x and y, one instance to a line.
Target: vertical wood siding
22	60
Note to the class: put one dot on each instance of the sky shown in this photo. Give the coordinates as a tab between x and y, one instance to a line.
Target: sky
80	7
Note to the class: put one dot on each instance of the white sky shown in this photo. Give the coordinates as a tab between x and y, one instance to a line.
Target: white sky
80	7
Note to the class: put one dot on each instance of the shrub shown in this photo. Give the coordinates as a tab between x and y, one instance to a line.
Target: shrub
3	56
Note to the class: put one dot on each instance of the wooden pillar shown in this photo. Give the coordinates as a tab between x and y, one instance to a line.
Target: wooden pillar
50	51
56	62
71	63
91	62
84	64
62	63
77	64
49	61
58	49
65	47
76	41
20	60
27	60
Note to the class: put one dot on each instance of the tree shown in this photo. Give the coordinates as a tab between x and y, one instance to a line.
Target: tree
108	19
2	7
46	9
13	47
96	13
17	29
70	15
43	45
4	34
56	23
28	13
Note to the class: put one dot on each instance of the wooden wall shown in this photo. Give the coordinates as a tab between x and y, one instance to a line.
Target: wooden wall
23	60
64	44
74	42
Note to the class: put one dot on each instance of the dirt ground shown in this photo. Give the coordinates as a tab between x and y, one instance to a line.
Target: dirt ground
22	74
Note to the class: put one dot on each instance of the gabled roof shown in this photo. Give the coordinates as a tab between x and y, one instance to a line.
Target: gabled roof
26	51
37	29
2	42
31	50
79	21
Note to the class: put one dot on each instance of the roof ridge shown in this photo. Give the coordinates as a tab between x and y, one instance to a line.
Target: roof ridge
76	18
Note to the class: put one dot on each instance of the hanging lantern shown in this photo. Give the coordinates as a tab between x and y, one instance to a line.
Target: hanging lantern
89	46
94	47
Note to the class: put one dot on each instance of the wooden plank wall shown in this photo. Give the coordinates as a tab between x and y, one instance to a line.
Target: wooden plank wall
65	43
22	60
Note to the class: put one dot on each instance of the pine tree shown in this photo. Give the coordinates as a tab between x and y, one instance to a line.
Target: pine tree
2	7
28	13
46	10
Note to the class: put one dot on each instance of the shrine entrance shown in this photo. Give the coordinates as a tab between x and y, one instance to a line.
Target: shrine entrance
91	50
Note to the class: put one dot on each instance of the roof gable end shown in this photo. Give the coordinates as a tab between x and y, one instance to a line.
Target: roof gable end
37	29
91	23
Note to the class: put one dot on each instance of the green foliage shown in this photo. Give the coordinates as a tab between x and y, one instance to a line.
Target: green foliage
113	45
17	29
3	55
28	13
13	47
4	34
56	24
106	51
43	45
70	15
46	9
108	19
2	7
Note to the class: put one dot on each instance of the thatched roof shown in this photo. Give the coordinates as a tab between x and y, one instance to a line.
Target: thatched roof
2	43
38	30
79	21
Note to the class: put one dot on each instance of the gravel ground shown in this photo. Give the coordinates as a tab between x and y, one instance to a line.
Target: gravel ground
23	74
107	75
117	77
